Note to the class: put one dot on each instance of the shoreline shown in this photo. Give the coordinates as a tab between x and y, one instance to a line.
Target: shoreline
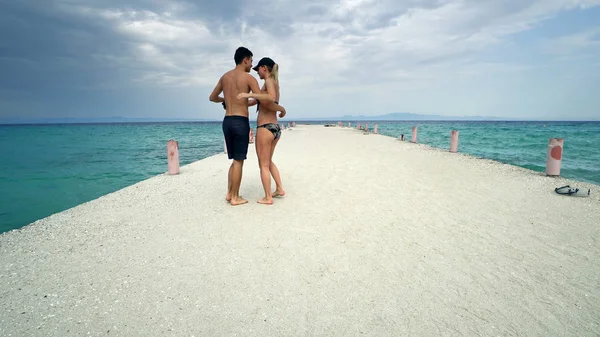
429	147
562	181
30	123
182	167
372	237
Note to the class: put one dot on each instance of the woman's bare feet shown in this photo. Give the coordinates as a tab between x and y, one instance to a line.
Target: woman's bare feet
238	201
228	197
266	201
278	193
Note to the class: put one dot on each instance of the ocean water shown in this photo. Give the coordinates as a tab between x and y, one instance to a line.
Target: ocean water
46	169
49	168
523	144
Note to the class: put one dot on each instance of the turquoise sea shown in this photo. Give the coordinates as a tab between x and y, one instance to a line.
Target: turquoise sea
46	169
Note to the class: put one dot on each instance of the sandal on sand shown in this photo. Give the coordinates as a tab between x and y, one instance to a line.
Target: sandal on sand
572	191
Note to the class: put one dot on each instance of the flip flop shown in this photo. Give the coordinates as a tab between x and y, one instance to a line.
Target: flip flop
572	191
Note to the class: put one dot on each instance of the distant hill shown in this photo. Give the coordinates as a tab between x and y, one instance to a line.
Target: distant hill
403	116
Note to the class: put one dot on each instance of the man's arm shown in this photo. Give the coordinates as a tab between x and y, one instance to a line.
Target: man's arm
270	104
253	84
214	95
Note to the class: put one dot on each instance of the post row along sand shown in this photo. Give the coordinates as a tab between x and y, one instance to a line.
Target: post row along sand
375	237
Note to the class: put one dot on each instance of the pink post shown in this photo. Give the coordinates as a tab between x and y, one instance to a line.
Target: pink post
375	129
366	127
358	126
251	140
288	125
294	124
173	156
414	134
555	147
454	141
224	146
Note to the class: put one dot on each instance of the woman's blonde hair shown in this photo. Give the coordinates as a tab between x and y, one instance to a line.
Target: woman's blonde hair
275	72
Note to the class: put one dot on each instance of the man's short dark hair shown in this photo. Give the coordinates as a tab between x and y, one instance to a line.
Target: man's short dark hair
240	54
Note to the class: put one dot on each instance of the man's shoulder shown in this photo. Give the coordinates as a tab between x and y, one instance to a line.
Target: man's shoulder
228	73
229	76
249	77
243	76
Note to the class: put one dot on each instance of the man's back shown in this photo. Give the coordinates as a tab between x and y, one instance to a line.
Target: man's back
235	82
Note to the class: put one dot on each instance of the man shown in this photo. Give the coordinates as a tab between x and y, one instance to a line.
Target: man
236	125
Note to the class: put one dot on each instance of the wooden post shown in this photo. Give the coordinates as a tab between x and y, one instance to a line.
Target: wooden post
454	141
173	157
555	147
349	125
414	134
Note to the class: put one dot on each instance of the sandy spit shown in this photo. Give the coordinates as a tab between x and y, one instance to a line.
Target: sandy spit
374	237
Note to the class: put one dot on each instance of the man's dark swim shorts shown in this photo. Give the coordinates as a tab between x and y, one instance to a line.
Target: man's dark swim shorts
237	136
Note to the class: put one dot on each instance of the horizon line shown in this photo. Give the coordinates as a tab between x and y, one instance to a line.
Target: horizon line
204	120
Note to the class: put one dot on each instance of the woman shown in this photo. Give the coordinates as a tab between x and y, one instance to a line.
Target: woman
268	131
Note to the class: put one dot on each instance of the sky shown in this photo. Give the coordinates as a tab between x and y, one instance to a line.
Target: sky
533	59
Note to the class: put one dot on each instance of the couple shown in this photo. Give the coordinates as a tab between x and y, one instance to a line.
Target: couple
236	86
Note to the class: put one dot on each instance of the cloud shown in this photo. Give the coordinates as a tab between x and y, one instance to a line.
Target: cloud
323	47
318	43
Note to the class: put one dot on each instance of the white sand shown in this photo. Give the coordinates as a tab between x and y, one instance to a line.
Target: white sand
375	237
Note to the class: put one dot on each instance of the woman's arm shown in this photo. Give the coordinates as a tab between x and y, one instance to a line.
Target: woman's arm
261	97
253	83
270	86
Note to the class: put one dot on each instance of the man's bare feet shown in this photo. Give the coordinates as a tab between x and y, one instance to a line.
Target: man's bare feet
265	201
238	201
278	193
